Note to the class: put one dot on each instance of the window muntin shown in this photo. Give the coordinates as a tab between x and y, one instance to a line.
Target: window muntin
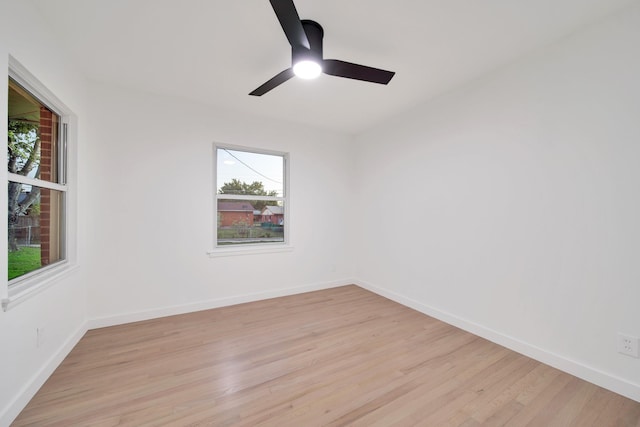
36	188
251	197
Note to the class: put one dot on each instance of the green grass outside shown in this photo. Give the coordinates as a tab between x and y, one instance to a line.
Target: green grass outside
23	261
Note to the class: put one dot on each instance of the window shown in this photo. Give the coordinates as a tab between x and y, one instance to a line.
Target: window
251	197
37	189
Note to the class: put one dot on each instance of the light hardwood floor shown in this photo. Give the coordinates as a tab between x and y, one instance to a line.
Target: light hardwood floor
335	357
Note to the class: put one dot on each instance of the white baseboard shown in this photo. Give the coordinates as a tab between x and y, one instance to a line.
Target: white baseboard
24	395
209	304
578	369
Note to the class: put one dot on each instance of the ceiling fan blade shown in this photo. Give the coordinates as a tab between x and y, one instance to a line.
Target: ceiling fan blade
290	21
339	68
274	82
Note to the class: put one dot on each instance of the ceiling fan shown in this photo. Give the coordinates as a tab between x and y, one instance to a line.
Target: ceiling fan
305	38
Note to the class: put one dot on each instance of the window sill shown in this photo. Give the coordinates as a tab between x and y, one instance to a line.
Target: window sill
221	252
32	286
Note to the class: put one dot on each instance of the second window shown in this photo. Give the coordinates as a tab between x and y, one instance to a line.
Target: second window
251	197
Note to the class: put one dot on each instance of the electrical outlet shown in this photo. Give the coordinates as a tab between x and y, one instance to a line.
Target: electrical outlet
628	345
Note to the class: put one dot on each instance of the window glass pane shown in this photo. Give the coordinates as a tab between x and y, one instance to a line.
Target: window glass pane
250	221
242	172
35	228
32	148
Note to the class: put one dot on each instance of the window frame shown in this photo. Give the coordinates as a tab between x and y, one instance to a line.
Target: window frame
260	247
21	288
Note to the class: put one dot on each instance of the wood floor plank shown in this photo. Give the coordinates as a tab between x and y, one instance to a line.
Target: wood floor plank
336	357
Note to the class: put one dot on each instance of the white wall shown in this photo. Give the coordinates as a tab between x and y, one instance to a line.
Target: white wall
510	207
152	210
60	309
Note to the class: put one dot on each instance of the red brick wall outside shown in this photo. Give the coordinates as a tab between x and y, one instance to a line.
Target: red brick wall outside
229	219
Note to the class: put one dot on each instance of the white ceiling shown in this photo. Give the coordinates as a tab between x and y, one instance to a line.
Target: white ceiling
216	52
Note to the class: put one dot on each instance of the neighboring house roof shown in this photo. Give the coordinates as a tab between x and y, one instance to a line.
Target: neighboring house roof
235	207
273	210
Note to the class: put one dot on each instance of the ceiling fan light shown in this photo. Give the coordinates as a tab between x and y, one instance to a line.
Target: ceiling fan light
307	69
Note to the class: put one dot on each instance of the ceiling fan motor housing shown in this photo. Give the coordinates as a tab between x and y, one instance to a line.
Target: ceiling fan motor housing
314	33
